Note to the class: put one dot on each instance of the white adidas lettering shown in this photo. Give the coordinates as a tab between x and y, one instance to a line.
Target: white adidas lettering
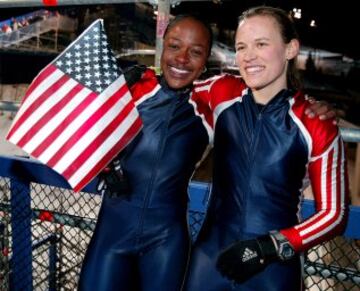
248	255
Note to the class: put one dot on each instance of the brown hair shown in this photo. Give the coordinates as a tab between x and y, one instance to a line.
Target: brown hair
288	32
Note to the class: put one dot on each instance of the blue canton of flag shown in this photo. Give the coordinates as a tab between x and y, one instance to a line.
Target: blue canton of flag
90	60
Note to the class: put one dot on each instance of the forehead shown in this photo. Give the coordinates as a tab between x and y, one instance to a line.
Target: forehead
189	28
258	26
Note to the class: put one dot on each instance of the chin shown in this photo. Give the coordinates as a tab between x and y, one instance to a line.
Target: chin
254	85
178	84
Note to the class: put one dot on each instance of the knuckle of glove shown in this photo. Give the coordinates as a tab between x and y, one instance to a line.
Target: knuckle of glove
133	74
241	261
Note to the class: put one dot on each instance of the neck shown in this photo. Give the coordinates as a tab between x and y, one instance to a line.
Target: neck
265	94
185	89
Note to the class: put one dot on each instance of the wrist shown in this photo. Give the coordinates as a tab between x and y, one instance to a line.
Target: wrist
268	248
284	249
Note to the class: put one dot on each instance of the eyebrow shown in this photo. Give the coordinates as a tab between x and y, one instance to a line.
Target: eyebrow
195	44
262	38
257	39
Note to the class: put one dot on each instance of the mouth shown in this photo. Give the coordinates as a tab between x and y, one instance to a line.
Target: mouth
252	70
179	72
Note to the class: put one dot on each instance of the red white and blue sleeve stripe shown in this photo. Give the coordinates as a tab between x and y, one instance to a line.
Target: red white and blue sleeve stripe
328	176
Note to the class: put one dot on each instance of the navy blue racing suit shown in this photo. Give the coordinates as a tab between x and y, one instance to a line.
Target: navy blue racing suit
261	155
141	240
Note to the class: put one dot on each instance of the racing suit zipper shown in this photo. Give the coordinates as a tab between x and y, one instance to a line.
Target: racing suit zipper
156	161
255	141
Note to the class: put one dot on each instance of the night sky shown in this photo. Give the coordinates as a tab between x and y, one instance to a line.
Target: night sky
337	21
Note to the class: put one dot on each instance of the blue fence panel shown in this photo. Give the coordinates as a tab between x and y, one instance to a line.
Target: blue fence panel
62	269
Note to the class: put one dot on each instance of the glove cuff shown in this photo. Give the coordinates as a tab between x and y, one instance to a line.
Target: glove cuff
284	248
267	248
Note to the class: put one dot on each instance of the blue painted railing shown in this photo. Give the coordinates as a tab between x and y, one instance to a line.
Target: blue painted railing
23	171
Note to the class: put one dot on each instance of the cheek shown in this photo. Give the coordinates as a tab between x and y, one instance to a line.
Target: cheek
164	56
165	59
239	56
162	62
275	55
238	60
279	62
199	66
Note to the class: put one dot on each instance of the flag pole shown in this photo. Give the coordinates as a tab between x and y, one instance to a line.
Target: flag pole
162	21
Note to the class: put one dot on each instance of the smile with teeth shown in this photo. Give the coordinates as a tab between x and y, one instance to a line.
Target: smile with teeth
254	69
179	71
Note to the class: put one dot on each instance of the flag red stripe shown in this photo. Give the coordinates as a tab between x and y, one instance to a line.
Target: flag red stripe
86	126
63	125
98	141
37	103
127	137
49	115
39	79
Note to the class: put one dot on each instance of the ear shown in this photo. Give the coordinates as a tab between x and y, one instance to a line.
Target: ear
293	48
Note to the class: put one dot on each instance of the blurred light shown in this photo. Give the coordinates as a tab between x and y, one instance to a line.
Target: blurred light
312	23
297	13
175	3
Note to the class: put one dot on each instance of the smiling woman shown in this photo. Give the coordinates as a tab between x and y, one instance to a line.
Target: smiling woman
141	240
265	57
185	51
264	147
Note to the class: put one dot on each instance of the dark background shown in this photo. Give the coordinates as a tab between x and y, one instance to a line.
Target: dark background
337	21
337	31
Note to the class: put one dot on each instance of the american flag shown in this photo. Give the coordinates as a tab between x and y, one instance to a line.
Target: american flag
77	114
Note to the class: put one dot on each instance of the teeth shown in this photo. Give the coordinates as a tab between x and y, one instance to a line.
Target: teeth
254	69
179	71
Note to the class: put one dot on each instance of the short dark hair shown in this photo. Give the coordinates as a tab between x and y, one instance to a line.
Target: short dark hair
181	17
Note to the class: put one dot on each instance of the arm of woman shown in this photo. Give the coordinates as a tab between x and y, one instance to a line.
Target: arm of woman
329	181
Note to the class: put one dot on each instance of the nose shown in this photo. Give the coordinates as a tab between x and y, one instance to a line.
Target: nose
249	55
183	56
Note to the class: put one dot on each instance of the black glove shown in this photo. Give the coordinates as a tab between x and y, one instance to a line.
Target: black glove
133	74
112	181
243	259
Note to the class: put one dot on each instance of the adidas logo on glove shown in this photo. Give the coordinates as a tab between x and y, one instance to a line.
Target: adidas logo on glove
248	255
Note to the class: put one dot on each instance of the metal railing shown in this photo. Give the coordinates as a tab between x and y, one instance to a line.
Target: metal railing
27	32
45	229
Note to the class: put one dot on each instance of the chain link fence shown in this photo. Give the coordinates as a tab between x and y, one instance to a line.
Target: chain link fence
334	265
61	222
48	255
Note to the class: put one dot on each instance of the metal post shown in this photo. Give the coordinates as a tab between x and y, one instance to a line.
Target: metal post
161	23
52	263
21	261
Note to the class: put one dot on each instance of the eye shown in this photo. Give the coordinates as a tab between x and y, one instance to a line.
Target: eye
239	48
197	53
261	44
173	46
